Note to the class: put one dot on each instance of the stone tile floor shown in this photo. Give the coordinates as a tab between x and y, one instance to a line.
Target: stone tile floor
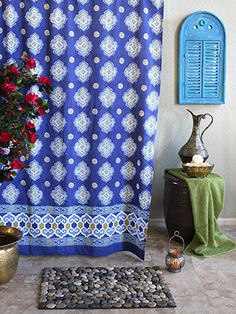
205	286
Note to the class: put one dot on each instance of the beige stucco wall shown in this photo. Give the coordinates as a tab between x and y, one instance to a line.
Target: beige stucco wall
175	123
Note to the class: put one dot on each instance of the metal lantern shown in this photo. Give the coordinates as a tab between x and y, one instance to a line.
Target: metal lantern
175	258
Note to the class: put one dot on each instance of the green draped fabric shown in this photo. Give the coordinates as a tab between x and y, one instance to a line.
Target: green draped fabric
207	199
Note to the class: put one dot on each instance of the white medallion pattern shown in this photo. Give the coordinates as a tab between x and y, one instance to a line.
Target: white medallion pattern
129	123
106	123
152	100
10	193
106	172
10	16
158	3
82	195
146	175
37	148
106	147
35	170
145	199
128	170
58	71
58	122
127	193
134	3
82	122
83	72
133	21
107	97
58	45
83	20
131	98
155	49
155	23
132	73
108	20
35	44
82	97
58	147
35	194
154	75
11	42
133	47
150	125
109	46
34	17
82	171
105	196
148	151
82	147
58	171
58	18
83	46
108	72
129	147
58	97
59	195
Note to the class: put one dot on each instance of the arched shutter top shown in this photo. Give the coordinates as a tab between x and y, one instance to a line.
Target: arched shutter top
202	60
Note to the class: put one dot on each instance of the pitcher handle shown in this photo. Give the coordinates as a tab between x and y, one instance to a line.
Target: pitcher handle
176	234
212	119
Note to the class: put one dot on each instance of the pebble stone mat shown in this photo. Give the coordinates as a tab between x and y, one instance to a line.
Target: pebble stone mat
104	288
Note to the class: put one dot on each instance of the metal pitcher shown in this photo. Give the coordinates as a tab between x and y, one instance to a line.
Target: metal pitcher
195	144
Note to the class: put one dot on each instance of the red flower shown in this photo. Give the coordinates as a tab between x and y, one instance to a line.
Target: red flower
41	111
31	98
5	137
30	63
32	137
30	125
9	175
45	80
16	164
8	88
20	108
13	69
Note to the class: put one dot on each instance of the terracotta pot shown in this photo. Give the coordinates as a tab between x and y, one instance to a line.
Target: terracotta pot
9	255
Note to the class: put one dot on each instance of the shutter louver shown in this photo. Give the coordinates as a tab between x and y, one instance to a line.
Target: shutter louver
193	65
211	69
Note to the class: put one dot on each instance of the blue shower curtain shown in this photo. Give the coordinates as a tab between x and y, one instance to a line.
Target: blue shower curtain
88	188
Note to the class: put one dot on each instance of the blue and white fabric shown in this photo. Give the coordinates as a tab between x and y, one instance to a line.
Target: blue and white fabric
88	188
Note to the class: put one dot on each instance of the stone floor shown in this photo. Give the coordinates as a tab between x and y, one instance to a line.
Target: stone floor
204	285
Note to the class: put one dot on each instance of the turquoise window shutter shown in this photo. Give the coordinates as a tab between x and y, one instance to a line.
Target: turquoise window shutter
202	60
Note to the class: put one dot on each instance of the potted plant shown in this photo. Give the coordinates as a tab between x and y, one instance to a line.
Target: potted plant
19	107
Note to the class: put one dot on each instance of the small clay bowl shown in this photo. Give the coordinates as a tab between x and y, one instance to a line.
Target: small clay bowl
198	172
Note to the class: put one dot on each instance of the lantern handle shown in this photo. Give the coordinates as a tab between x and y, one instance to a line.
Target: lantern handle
176	234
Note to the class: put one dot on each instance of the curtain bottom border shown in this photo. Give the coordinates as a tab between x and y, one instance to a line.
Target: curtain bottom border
81	250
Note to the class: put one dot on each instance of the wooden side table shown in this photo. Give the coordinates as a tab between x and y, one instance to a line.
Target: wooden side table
177	208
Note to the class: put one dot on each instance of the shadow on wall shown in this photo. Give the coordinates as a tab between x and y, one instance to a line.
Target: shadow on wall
169	136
